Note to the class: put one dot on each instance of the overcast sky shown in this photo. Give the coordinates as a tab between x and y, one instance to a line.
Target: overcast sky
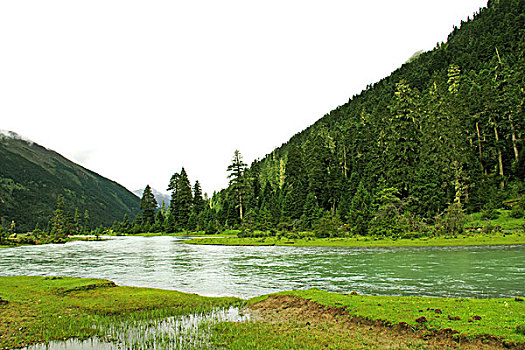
134	90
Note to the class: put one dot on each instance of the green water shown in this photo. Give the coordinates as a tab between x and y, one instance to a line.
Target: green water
165	262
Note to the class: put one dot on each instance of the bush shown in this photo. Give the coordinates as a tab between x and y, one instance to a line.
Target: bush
488	229
490	214
516	212
452	221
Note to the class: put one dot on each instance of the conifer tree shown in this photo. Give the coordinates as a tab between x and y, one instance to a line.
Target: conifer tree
236	169
87	223
181	202
58	228
198	201
148	205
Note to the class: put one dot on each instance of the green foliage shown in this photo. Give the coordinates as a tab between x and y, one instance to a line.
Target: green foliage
237	180
148	205
452	221
328	226
517	212
444	128
32	176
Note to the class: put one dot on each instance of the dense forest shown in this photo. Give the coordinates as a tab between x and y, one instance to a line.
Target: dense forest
440	136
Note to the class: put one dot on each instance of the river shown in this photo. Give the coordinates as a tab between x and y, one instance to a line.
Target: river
168	263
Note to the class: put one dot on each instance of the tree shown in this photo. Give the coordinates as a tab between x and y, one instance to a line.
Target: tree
181	202
87	224
236	169
58	226
198	201
402	138
148	205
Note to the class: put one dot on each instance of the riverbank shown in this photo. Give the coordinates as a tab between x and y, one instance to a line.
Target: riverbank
26	239
41	309
461	240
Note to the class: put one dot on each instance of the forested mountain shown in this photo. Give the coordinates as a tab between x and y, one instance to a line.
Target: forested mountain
444	129
440	136
32	177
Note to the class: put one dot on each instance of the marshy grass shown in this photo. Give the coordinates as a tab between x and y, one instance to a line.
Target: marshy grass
49	309
43	309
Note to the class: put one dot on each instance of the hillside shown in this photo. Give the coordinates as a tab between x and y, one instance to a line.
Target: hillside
31	178
446	127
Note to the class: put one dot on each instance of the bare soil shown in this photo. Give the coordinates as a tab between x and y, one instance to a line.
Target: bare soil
375	334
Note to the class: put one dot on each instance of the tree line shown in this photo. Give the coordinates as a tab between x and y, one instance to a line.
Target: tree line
441	136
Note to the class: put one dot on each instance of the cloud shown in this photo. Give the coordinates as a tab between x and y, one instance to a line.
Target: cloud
82	156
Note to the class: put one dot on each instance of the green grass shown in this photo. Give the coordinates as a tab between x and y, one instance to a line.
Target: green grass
226	233
499	317
41	309
505	221
472	239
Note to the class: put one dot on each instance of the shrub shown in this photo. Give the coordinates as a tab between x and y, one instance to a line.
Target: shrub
490	214
516	212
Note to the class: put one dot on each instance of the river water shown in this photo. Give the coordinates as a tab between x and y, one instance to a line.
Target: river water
165	262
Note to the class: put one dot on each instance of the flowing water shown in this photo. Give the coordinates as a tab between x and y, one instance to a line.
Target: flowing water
165	262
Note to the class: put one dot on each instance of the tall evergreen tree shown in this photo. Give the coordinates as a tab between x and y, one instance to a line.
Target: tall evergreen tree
198	200
181	202
148	205
236	176
59	224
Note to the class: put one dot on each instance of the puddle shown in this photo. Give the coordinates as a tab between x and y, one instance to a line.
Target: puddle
180	332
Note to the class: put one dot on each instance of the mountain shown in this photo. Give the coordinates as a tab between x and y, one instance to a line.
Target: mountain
32	176
446	127
159	196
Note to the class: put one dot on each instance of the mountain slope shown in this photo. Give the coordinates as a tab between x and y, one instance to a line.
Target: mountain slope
31	178
446	127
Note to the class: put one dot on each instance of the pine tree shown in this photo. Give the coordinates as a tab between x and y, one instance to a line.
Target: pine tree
76	222
148	205
236	169
181	202
198	201
58	226
402	140
87	223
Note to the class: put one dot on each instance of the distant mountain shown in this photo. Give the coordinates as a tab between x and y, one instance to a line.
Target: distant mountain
32	176
159	196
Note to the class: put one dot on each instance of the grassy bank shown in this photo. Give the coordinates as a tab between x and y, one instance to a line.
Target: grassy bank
40	309
471	239
464	318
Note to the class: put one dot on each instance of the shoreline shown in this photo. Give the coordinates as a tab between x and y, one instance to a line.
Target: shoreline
41	309
366	242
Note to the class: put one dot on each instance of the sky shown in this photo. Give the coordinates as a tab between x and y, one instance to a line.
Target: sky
136	90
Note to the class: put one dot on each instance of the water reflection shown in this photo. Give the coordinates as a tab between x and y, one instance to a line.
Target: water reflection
181	332
163	262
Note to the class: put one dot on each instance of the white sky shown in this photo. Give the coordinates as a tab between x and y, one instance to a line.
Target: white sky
134	90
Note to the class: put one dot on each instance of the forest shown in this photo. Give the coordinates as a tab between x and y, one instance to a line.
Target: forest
440	137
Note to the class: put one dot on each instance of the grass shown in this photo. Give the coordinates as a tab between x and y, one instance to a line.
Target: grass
41	309
226	233
504	221
499	317
471	239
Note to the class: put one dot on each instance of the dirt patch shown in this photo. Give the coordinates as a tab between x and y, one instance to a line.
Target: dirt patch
379	333
107	284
